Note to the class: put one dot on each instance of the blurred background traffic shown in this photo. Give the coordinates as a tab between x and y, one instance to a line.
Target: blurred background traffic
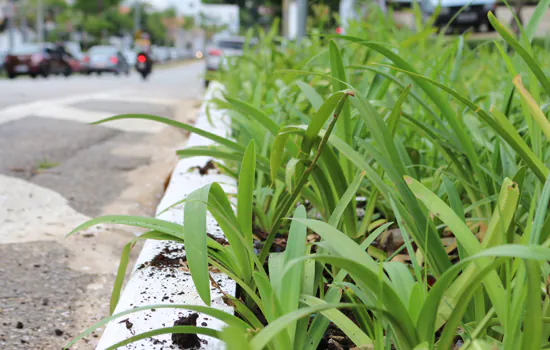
39	38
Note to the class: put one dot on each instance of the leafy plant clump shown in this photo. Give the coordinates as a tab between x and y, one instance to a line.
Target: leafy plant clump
404	178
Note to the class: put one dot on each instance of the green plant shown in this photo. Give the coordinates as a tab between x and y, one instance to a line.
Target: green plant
437	141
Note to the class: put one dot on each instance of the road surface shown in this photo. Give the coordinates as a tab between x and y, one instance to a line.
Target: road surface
56	171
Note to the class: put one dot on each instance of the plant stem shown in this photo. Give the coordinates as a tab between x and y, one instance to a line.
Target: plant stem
287	205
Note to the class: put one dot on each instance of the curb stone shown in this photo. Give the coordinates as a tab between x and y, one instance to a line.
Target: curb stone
149	284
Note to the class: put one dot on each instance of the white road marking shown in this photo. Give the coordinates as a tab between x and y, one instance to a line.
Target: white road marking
60	108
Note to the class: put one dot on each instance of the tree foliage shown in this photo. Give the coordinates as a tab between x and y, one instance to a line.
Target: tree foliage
95	7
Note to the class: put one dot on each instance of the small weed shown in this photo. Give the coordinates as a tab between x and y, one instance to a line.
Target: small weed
45	165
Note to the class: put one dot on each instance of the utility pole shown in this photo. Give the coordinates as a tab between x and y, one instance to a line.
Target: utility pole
137	17
100	7
40	21
23	19
10	14
302	19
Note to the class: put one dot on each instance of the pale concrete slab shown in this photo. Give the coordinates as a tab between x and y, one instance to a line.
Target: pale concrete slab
30	213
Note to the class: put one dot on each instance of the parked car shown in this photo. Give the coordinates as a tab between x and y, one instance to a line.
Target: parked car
223	47
36	59
105	59
474	14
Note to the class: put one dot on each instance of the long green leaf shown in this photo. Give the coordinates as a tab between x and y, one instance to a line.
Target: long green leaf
245	192
354	333
218	139
532	324
125	260
538	230
137	221
235	338
467	239
194	222
531	62
264	337
313	97
536	17
346	199
536	113
218	314
167	330
319	119
249	110
395	114
289	291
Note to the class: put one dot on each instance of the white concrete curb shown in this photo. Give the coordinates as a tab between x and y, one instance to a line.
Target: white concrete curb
149	285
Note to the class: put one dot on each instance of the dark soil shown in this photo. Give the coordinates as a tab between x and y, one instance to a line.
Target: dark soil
204	170
220	240
167	258
187	341
335	339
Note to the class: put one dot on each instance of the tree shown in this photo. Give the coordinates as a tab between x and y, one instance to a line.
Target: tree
155	27
210	26
95	6
188	23
96	25
119	23
52	9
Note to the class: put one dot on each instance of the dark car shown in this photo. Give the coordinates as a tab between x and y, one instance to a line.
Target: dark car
35	60
105	59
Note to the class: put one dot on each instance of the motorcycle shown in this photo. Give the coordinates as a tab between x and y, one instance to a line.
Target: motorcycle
144	65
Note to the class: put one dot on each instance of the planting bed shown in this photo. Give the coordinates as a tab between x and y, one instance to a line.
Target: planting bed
398	185
160	275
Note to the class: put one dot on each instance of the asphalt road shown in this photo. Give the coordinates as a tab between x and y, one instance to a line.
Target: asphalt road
57	171
164	83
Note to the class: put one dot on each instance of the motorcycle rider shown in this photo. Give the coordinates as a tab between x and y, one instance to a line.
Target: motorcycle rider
148	61
144	61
